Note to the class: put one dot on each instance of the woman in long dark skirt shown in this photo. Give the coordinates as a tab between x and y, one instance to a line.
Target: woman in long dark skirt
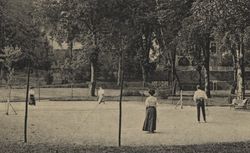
151	113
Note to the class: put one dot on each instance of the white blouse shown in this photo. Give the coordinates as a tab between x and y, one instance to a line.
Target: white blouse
199	94
31	92
100	92
151	101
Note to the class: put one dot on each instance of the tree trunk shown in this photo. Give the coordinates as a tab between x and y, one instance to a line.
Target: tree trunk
240	71
173	73
239	77
71	49
71	69
39	90
9	90
199	67
92	85
146	45
26	105
234	85
119	71
242	66
144	75
200	77
9	82
93	64
120	101
72	90
207	79
1	74
206	53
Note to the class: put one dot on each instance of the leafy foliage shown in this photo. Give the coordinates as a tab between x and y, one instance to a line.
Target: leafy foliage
8	58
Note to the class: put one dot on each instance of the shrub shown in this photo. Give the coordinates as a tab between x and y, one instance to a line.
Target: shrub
164	93
129	92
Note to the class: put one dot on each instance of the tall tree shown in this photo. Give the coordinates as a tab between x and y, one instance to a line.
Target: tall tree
232	22
200	33
21	31
8	59
170	15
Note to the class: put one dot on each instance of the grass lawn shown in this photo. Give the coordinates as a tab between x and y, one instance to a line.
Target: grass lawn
89	127
237	147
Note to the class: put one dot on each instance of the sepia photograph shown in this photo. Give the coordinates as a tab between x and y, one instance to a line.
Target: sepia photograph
124	76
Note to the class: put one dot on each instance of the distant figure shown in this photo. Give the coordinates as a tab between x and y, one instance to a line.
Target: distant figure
151	113
32	100
200	97
101	95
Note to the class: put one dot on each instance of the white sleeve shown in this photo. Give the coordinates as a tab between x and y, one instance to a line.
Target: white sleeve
205	95
146	102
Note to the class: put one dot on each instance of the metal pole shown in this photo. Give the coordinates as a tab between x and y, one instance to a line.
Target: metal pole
26	105
39	90
38	84
8	105
72	91
120	102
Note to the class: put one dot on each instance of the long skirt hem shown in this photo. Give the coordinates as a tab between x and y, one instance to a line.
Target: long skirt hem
150	120
32	100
